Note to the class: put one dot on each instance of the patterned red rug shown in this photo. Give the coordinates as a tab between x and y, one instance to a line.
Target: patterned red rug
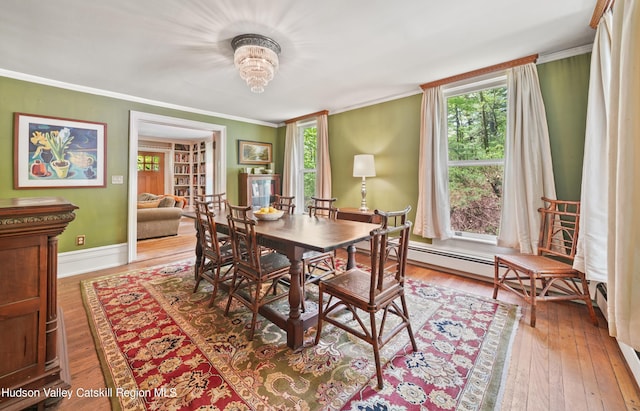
162	348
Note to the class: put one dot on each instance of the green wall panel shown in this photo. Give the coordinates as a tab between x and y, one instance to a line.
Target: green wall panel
565	86
391	132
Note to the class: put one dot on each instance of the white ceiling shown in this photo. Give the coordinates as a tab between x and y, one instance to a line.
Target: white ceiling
336	54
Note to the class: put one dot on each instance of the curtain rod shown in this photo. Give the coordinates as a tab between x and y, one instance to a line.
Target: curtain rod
306	116
601	7
496	67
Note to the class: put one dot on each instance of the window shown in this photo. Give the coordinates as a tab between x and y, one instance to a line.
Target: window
148	163
477	122
307	133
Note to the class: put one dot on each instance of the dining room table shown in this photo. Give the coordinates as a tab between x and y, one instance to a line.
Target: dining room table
293	235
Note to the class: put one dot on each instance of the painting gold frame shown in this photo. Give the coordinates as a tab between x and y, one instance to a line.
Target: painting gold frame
253	152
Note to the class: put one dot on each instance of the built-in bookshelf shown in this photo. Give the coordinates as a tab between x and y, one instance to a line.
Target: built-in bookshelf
182	171
189	170
199	159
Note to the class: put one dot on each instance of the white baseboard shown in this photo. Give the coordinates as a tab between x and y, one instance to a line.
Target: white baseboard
630	355
92	259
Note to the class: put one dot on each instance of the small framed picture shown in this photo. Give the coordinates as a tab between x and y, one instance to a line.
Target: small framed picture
252	152
51	152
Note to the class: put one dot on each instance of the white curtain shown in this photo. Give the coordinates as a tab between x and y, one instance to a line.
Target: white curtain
323	171
432	213
528	171
291	167
624	176
591	253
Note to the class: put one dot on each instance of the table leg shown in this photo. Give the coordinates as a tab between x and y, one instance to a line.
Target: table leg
351	256
295	326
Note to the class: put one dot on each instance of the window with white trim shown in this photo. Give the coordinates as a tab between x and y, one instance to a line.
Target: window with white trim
477	126
308	141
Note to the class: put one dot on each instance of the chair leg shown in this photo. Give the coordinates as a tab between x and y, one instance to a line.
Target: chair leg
376	349
319	327
496	277
232	289
587	300
409	329
254	308
215	287
200	271
532	296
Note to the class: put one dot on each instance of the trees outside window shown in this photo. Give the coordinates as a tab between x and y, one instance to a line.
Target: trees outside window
477	122
148	163
307	132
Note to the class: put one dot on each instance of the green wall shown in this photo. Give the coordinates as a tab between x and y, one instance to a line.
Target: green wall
388	130
102	213
391	132
565	87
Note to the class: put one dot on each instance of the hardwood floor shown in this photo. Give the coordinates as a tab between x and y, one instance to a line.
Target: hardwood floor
565	363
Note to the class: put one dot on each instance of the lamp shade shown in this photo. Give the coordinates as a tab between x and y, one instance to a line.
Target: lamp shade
363	165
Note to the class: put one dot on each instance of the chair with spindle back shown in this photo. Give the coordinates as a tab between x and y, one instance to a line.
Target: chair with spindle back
356	295
284	203
548	275
257	275
216	255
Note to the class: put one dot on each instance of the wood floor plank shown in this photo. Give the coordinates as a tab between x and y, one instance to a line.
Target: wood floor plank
556	389
539	372
564	362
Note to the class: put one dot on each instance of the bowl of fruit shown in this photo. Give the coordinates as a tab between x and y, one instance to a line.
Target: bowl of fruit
268	213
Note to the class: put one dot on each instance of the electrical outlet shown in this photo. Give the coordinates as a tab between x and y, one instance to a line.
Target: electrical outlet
80	240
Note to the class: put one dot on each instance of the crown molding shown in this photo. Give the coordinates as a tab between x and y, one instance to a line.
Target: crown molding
105	93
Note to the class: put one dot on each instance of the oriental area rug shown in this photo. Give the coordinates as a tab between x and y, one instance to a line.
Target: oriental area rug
162	348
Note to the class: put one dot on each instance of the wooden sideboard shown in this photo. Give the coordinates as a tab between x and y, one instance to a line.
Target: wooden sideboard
29	324
355	214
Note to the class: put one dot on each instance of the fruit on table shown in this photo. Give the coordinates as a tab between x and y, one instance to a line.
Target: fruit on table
268	210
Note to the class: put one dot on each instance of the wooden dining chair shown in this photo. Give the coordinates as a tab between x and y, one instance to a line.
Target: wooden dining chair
358	293
217	200
256	275
322	207
548	275
216	254
285	203
317	265
393	219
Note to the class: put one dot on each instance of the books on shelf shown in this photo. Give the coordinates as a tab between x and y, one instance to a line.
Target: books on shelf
189	169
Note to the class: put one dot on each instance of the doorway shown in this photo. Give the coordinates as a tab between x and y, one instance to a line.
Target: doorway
171	128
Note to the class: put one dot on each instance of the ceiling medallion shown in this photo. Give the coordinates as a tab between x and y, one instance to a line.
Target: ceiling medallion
256	58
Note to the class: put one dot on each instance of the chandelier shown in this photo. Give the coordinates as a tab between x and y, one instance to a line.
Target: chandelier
256	58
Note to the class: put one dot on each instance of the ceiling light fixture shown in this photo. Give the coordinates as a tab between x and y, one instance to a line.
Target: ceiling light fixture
256	58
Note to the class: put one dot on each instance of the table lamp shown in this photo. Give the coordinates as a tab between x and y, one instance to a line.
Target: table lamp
364	166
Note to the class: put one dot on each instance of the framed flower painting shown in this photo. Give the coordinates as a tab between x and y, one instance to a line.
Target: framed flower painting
52	152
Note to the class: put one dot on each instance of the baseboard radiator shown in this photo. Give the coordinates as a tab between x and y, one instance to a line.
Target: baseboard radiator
475	266
630	355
